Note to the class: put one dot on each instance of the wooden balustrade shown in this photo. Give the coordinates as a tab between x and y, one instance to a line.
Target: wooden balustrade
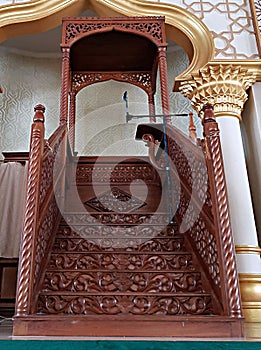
44	201
201	211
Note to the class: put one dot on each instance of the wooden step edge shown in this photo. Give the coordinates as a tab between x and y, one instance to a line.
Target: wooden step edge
192	327
124	252
124	271
131	294
176	237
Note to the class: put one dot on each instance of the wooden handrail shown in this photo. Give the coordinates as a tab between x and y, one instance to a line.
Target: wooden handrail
206	216
46	174
219	197
28	243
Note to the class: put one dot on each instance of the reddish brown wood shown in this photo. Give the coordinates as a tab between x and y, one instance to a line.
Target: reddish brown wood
125	49
164	82
65	86
192	128
20	157
151	102
72	119
139	326
28	246
104	271
221	214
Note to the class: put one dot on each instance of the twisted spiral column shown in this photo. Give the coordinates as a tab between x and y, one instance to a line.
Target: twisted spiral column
231	283
65	85
72	120
164	82
28	243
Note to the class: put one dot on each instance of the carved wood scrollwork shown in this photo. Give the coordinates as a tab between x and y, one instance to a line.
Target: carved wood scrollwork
125	173
140	79
126	304
149	27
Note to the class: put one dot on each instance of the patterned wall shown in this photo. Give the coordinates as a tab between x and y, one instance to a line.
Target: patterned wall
229	22
27	81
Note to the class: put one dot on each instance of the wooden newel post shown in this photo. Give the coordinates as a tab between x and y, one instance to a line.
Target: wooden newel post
25	282
218	189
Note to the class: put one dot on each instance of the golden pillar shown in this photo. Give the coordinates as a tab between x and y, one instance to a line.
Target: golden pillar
225	85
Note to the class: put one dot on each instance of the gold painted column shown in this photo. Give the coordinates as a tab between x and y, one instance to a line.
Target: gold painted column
224	85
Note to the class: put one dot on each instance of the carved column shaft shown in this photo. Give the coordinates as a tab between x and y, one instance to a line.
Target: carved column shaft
164	82
151	102
65	86
72	120
221	211
30	226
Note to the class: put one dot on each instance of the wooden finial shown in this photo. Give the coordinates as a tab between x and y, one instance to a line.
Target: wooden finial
208	111
39	113
192	128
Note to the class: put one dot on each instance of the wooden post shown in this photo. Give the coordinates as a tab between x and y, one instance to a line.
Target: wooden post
65	85
72	120
151	102
219	196
164	82
192	128
27	253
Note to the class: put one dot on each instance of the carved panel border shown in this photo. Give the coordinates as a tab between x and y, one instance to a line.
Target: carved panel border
143	80
151	27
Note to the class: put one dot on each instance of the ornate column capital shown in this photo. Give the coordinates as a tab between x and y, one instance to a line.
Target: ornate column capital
223	85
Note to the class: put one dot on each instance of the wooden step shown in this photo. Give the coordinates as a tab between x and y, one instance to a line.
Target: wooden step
122	281
133	304
129	260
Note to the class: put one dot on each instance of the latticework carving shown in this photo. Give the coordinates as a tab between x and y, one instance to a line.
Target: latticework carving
206	244
118	174
149	27
46	230
140	79
117	219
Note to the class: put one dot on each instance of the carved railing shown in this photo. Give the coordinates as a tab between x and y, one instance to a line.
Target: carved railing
201	204
44	200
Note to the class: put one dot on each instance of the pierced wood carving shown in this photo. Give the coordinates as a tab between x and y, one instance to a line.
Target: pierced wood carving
150	27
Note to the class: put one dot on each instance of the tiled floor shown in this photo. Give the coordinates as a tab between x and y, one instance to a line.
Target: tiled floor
252	333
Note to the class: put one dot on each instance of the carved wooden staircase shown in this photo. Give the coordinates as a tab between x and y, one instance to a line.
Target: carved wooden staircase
90	268
122	263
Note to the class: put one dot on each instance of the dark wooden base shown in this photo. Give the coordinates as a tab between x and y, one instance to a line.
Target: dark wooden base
107	326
